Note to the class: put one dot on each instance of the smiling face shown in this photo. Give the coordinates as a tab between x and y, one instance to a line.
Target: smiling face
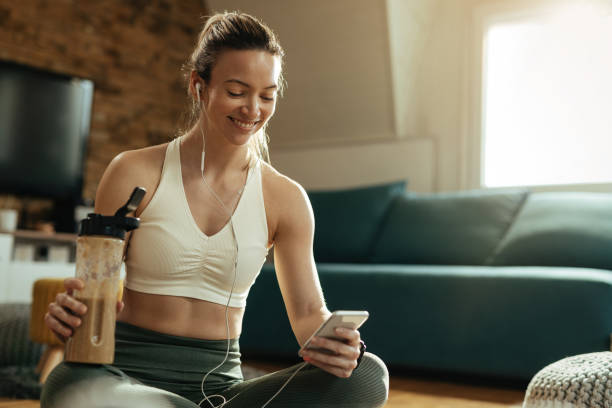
241	95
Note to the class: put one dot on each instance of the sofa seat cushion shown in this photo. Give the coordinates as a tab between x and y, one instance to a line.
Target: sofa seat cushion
501	321
348	221
460	228
560	229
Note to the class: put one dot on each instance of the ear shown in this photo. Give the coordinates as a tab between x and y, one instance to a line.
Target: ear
195	85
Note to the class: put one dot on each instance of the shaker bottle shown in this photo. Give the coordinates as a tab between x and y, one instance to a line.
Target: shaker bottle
98	264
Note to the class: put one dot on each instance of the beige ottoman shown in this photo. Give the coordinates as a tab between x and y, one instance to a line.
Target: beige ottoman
581	381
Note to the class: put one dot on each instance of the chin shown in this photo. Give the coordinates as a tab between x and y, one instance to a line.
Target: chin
240	138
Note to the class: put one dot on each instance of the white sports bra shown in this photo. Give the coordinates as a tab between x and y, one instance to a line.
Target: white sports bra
169	254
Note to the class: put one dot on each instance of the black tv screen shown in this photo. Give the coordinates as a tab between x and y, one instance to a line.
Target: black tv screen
44	127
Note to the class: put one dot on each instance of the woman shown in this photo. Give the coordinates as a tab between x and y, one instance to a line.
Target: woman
213	209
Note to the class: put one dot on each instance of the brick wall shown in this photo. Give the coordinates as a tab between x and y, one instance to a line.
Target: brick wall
133	50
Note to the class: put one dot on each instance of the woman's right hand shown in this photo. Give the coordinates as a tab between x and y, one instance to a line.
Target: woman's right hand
64	314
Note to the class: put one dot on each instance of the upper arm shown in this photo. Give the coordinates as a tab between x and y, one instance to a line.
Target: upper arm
293	254
115	185
128	170
125	172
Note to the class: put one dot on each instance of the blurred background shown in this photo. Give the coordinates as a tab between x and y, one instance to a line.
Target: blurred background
447	94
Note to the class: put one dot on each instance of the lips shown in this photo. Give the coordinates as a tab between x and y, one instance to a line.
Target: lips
244	125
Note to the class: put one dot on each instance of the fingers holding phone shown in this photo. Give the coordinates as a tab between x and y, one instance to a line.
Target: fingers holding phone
336	346
336	356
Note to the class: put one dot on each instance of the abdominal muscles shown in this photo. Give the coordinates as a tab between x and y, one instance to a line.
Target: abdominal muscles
180	316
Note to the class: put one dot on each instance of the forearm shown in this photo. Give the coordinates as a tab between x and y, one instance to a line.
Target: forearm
304	326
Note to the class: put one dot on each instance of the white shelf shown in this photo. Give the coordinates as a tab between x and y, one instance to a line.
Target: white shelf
17	277
41	246
45	236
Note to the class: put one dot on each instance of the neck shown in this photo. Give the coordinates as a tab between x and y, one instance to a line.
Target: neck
221	157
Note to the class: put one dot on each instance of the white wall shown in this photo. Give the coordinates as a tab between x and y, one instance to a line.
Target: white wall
357	165
410	28
441	88
336	67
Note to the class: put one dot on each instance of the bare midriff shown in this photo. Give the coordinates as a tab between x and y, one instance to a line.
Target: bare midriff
180	316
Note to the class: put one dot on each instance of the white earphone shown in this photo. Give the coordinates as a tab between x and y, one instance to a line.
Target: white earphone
198	86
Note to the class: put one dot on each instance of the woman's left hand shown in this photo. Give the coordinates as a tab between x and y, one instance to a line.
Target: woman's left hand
345	354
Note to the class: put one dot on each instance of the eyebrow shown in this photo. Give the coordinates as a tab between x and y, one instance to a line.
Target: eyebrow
247	85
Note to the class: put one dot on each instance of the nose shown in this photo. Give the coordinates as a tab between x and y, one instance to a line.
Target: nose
250	109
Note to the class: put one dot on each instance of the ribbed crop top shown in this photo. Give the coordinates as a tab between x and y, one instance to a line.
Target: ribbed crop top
169	254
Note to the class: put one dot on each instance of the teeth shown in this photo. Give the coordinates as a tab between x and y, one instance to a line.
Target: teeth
246	125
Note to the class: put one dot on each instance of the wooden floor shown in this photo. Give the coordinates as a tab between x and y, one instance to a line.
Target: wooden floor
408	392
413	393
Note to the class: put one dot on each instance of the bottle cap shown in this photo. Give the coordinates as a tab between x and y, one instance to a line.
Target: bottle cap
114	225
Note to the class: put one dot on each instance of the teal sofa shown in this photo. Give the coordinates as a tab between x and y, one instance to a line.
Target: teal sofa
482	283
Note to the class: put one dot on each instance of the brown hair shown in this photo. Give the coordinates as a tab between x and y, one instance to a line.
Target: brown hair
232	31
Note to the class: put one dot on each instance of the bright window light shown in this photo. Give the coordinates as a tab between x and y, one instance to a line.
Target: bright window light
548	99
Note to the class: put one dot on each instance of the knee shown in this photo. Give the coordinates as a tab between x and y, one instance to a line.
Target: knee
61	382
372	376
68	382
94	386
61	376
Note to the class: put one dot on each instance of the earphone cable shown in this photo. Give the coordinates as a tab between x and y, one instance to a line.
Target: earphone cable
206	398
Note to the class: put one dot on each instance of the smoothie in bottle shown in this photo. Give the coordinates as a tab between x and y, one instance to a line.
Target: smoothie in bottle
98	264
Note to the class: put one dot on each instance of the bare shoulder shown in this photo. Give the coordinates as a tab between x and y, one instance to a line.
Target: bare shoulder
282	189
139	160
130	169
286	201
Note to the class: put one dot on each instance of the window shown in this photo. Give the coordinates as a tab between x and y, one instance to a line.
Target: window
547	98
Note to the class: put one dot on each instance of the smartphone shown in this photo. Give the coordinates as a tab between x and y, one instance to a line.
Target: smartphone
350	319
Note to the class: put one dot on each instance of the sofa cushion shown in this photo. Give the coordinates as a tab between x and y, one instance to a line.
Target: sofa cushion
560	229
347	221
459	228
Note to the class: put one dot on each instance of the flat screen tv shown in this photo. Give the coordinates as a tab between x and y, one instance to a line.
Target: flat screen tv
44	126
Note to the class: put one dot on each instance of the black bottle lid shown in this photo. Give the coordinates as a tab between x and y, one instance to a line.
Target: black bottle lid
114	225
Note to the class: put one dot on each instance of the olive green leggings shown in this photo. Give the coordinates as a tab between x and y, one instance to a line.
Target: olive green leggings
153	369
